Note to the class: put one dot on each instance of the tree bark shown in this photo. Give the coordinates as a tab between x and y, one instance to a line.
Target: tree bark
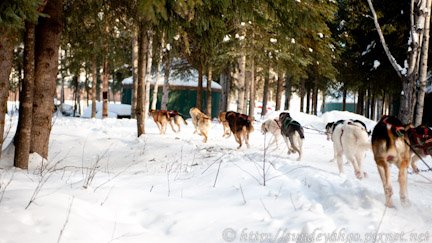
302	95
47	42
209	91
105	87
344	96
266	92
134	72
423	67
308	99
148	73
241	84
252	90
279	90
94	84
142	48
165	90
200	87
360	102
6	58
287	92
159	70
315	100
224	83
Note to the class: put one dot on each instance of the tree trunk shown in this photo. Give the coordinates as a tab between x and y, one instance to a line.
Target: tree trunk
423	68
23	134
105	87
287	92
159	70
209	91
252	90
200	87
241	84
266	92
372	109
47	42
148	73
279	90
360	102
142	48
344	96
302	95
315	100
134	72
165	90
94	84
223	98
407	100
308	99
6	59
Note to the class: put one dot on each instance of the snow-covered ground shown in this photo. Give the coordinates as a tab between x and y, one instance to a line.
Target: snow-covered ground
103	184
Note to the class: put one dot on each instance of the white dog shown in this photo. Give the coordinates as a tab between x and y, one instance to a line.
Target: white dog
350	138
272	126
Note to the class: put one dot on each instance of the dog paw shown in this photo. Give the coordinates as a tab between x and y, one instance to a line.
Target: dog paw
405	203
359	175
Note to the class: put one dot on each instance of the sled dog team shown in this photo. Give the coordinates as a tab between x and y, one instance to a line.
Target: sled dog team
392	142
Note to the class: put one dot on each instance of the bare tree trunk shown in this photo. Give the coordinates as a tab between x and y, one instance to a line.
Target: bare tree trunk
360	101
344	96
241	84
279	90
407	100
23	134
134	72
94	84
423	67
315	100
165	90
287	92
105	87
223	98
47	42
209	91
373	103
142	44
6	58
200	87
302	95
148	73
159	70
266	92
308	98
252	90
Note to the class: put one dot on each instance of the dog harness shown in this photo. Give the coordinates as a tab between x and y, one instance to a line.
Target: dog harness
421	137
396	129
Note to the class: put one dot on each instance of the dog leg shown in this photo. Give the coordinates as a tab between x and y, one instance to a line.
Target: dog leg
287	143
294	145
384	171
414	165
402	178
238	139
339	161
204	133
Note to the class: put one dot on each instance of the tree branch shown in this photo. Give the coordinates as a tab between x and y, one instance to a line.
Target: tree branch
392	60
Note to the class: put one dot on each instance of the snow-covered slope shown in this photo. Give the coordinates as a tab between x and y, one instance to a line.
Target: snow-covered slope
103	184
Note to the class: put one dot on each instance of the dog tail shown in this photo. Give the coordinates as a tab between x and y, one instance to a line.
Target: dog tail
301	132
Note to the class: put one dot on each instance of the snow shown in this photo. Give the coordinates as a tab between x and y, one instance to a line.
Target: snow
114	110
376	64
103	184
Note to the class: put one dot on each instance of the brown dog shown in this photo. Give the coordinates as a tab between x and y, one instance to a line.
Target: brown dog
176	118
240	125
161	118
201	122
222	119
390	146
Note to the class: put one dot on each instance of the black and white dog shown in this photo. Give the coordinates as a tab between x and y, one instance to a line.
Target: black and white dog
292	130
350	138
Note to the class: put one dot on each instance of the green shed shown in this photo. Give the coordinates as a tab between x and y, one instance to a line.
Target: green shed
182	94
